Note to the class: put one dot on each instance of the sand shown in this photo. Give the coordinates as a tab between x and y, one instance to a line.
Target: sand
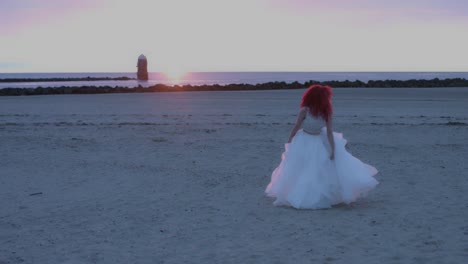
179	178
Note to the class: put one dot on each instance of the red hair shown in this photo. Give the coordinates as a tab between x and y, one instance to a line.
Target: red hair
318	99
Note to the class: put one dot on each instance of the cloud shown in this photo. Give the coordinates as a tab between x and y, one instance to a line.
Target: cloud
11	65
395	9
16	15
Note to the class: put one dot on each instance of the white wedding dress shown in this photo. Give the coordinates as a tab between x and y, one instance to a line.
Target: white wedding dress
306	177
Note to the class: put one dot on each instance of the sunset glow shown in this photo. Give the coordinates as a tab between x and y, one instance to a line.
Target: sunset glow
241	35
175	74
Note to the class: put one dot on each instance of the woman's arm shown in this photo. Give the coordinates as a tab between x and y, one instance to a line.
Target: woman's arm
330	138
300	118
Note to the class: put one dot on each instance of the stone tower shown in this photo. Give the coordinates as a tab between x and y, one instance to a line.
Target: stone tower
142	73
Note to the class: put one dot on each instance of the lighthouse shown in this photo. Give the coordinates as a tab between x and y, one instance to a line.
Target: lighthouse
142	73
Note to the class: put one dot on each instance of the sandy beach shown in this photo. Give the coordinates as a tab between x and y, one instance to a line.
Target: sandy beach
180	178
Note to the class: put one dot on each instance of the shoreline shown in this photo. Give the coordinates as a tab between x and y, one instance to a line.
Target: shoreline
433	83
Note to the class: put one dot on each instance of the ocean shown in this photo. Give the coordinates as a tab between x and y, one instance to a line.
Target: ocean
222	78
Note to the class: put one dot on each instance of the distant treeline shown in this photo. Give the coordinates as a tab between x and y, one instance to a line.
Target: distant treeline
234	87
16	80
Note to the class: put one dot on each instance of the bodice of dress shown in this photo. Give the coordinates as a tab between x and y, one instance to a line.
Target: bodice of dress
313	124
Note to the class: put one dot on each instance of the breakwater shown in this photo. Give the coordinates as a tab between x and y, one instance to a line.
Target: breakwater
434	83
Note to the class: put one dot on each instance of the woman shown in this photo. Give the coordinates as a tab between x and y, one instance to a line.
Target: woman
316	171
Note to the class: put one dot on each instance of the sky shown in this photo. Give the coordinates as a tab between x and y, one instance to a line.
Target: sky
233	35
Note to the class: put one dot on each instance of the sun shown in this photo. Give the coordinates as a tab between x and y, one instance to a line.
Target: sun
175	74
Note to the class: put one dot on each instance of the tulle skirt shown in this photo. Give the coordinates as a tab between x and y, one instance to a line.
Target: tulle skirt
307	179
